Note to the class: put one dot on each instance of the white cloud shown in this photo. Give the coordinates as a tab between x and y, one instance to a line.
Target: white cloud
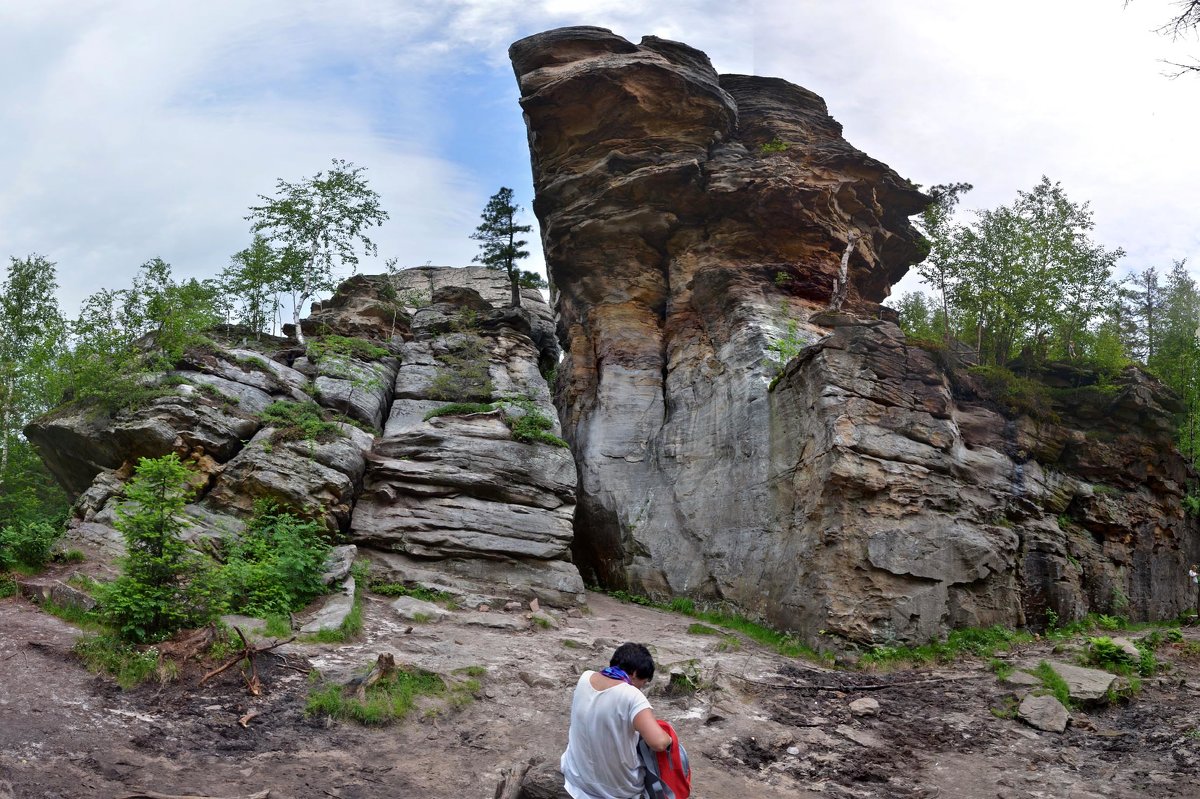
136	128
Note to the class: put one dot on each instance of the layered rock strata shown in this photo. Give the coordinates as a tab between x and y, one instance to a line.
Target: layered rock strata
697	228
454	502
456	496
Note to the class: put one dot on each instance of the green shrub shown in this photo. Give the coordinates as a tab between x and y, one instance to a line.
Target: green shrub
164	586
275	566
28	543
460	409
345	347
775	145
1016	395
298	420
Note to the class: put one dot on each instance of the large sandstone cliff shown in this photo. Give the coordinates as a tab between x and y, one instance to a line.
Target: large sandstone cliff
453	502
696	229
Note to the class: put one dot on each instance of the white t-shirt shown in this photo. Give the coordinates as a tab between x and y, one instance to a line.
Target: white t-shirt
601	761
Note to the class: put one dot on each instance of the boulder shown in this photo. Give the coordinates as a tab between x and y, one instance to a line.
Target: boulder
1043	713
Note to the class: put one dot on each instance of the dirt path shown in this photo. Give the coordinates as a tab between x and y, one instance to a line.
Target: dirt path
759	726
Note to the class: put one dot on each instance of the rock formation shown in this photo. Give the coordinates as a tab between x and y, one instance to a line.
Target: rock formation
454	501
698	230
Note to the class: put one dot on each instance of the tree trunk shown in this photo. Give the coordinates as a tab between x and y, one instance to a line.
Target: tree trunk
515	282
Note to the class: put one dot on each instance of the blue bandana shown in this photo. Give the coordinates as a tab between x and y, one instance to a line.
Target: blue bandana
616	674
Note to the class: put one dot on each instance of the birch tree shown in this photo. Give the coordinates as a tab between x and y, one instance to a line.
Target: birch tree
318	223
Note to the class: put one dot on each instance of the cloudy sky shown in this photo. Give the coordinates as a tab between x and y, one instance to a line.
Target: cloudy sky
140	128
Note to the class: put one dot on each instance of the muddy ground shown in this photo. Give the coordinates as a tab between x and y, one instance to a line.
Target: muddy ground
760	724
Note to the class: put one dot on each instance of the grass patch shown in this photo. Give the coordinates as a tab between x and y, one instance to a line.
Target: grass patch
1053	682
278	625
416	592
298	420
386	702
8	586
784	643
703	629
978	641
461	409
108	654
350	627
84	619
1002	669
345	347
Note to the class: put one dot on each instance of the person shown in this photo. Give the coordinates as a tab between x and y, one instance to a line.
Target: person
608	714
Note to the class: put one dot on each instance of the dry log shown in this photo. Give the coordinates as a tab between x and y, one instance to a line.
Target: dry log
248	652
511	780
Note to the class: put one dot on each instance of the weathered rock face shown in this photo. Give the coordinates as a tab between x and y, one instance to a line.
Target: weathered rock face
694	229
454	501
457	493
679	248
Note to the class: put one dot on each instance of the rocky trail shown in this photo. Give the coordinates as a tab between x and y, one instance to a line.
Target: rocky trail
758	724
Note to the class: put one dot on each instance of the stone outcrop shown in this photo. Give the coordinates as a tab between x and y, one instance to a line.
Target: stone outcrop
455	501
696	227
458	495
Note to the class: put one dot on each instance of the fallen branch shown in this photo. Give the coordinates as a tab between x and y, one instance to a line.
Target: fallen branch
154	795
248	652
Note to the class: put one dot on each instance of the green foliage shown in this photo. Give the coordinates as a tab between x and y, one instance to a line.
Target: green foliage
461	409
112	655
8	585
1053	682
1014	394
275	566
462	373
775	145
123	338
787	346
416	591
1106	654
298	420
531	426
980	642
28	543
252	280
500	247
317	223
32	337
1001	668
345	347
388	700
164	586
1022	278
784	643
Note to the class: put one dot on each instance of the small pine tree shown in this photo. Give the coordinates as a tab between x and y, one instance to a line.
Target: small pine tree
500	248
163	586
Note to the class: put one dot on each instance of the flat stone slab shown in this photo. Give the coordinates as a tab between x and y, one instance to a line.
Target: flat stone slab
418	610
1087	685
40	591
335	610
1044	713
496	621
